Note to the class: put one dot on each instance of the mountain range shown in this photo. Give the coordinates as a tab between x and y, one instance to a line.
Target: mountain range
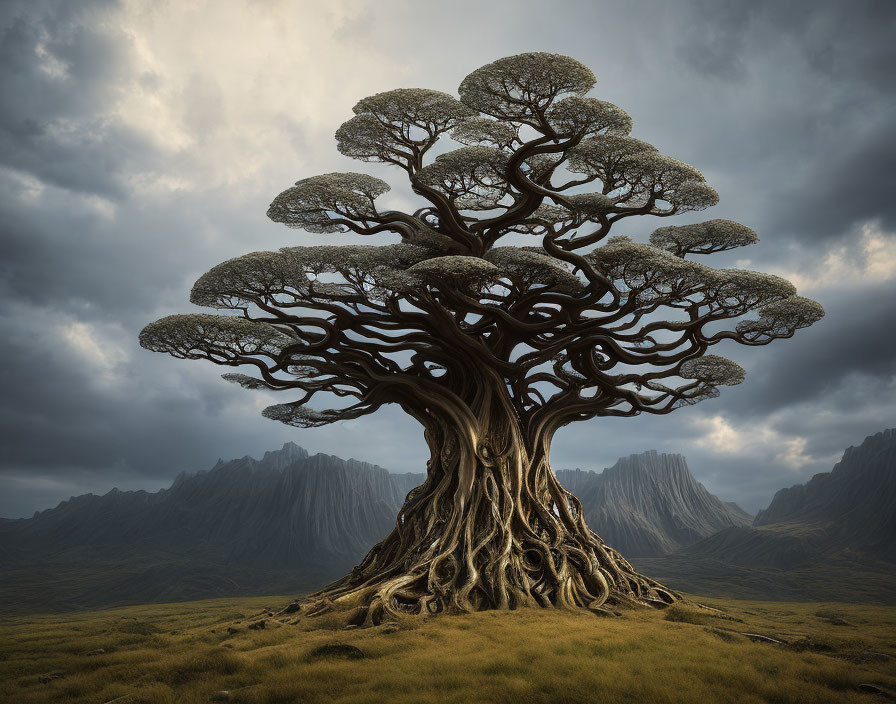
290	522
832	538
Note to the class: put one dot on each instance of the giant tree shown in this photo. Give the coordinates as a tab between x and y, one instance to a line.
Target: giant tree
492	346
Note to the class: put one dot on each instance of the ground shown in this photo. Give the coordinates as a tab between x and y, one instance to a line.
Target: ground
185	653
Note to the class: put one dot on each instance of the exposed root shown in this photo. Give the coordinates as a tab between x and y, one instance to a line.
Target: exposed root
490	528
504	551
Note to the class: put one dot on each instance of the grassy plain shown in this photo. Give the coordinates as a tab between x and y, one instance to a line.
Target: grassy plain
836	577
184	654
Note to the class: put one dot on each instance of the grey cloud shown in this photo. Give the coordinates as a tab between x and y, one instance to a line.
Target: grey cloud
57	67
713	42
852	181
855	340
785	106
797	100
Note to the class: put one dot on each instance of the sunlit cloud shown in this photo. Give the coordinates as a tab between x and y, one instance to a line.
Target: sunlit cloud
260	87
102	356
719	436
867	259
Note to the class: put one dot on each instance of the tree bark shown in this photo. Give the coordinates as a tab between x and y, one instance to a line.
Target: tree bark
490	528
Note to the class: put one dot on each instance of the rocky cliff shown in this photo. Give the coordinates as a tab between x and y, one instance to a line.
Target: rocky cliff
405	482
854	504
290	522
832	538
287	509
650	504
286	521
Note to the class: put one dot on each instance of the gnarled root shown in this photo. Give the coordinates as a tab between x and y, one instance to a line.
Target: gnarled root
490	528
500	550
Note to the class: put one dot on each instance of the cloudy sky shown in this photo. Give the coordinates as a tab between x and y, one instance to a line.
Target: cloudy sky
141	142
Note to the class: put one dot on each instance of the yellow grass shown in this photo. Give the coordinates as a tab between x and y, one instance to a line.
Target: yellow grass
183	653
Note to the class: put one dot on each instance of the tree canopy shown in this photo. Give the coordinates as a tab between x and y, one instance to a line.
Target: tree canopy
502	309
577	323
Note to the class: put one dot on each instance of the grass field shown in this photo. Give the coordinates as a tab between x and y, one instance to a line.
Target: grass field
184	653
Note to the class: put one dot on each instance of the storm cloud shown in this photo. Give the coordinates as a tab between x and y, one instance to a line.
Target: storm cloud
140	144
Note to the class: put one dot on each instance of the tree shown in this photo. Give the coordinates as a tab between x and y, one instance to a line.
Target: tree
491	348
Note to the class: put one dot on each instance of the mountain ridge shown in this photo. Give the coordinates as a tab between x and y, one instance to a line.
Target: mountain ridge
854	503
339	508
649	504
833	537
293	521
286	521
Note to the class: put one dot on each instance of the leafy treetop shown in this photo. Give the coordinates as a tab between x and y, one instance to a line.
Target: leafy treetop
574	325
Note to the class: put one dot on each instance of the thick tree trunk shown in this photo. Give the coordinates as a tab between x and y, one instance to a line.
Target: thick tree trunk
490	528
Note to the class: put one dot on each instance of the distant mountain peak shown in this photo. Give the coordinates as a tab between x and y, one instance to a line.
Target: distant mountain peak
855	501
652	463
650	504
839	527
871	444
285	456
